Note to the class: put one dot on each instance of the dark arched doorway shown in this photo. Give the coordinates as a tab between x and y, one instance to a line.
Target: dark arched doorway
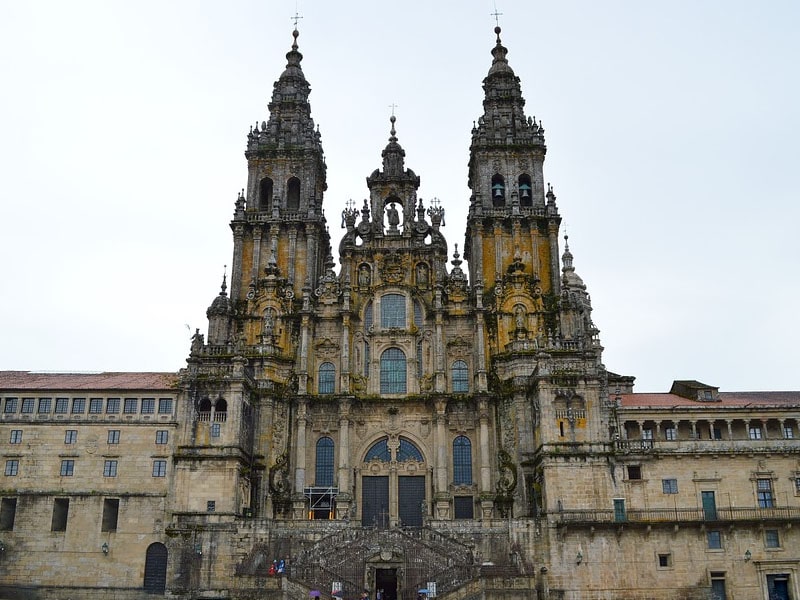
155	569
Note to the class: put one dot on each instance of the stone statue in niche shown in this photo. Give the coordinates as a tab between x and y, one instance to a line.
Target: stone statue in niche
364	276
394	217
520	316
422	274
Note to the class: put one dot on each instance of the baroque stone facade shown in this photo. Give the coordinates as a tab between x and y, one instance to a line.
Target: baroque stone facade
405	423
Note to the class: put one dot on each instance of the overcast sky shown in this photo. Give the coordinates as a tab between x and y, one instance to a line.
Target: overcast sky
672	130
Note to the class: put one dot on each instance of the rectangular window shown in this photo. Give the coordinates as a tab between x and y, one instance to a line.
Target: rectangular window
211	506
634	472
165	406
113	436
67	468
60	514
669	486
62	404
159	468
755	433
788	432
664	561
647	434
162	436
95	406
772	538
764	489
714	539
70	436
78	406
716	433
148	406
45	405
8	512
670	434
215	430
464	507
110	514
112	406
27	406
130	406
110	468
10	405
12	468
797	485
16	436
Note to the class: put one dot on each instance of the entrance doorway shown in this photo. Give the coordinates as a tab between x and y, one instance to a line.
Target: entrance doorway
778	587
386	584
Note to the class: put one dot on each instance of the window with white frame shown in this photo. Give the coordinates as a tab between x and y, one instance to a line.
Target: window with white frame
671	434
764	493
67	467
669	486
16	436
159	468
110	468
755	432
148	406
165	406
28	406
113	436
12	467
162	436
71	436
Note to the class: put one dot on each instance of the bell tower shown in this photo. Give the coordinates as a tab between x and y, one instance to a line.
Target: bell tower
278	226
513	222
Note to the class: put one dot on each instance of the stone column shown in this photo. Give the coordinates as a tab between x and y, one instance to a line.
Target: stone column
441	495
481	378
485	458
236	267
729	422
555	276
344	499
291	256
256	253
440	382
298	500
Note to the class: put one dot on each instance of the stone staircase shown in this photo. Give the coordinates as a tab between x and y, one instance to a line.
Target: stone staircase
420	555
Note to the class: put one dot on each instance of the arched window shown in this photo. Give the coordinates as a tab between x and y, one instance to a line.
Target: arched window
393	311
221	411
460	377
379	451
393	371
323	476
265	194
417	314
293	194
408	451
327	378
204	410
498	190
525	191
462	461
368	316
155	569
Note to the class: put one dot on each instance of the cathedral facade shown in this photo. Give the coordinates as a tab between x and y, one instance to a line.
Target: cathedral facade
421	419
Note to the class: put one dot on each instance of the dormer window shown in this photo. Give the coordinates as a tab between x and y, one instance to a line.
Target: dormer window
525	191
498	191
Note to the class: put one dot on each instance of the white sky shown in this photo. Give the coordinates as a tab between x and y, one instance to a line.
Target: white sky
672	129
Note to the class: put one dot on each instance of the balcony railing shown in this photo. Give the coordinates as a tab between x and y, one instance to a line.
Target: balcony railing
675	515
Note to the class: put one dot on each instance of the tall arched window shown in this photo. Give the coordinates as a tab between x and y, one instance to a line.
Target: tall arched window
417	314
462	461
393	371
498	190
368	316
393	311
525	191
323	476
293	194
327	378
460	377
265	194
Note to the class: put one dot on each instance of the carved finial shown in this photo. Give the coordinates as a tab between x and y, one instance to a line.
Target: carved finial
392	132
224	289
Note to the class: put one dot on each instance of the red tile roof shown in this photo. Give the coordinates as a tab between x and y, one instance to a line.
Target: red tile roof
726	399
33	380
